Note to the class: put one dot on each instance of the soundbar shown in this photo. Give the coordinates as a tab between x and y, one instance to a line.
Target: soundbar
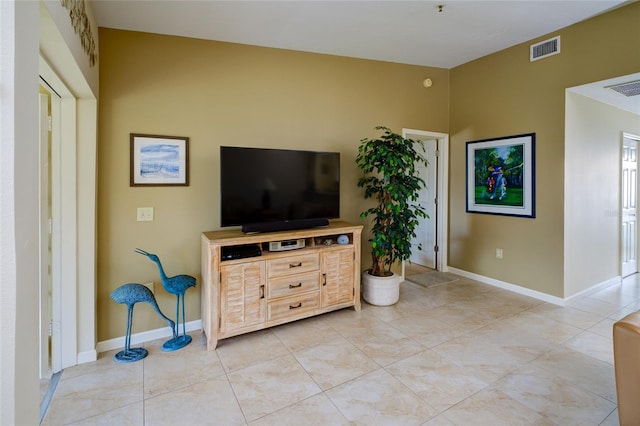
288	225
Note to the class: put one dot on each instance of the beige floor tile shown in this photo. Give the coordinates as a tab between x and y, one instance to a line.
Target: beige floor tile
210	402
462	353
612	419
568	315
464	317
305	333
593	345
634	306
583	370
427	330
539	325
617	295
385	344
249	349
168	371
348	322
595	306
555	397
492	356
314	411
439	420
88	395
492	407
264	388
104	363
378	398
335	362
604	328
497	305
437	381
618	315
129	415
393	312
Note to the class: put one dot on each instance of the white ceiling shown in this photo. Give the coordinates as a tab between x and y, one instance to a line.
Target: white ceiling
409	32
600	92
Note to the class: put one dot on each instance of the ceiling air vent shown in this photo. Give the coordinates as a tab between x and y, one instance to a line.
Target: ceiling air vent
545	48
629	89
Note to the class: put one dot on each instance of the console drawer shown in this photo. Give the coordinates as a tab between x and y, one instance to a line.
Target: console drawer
293	265
291	285
293	306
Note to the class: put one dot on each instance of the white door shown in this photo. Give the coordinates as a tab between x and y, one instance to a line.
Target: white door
423	246
629	228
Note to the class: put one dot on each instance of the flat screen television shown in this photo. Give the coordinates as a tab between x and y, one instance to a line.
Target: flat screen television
266	190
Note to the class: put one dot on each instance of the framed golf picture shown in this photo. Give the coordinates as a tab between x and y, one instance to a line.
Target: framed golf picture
501	176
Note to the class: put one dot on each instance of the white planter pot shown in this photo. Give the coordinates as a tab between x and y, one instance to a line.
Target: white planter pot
380	291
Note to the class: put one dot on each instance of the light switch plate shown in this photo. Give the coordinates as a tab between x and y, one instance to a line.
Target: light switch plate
145	214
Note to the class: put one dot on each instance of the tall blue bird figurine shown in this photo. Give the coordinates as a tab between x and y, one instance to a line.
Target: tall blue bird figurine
175	285
130	294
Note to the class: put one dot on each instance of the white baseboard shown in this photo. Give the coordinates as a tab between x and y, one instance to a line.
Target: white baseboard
533	293
511	287
145	336
87	356
595	288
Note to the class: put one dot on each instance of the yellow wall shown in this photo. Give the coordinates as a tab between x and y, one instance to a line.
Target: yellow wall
504	94
227	94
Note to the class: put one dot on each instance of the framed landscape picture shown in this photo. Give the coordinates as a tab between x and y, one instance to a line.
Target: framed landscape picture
501	176
159	160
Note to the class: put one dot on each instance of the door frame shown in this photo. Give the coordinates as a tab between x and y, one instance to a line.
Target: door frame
442	191
46	354
63	221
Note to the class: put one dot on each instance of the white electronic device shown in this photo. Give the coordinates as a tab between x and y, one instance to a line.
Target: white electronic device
286	245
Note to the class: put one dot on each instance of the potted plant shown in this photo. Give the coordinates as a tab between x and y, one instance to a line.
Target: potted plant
390	178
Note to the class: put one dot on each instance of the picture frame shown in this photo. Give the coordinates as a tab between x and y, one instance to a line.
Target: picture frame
501	176
159	160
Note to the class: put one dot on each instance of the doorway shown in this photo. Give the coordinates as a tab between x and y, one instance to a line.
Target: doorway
429	246
49	229
629	201
46	319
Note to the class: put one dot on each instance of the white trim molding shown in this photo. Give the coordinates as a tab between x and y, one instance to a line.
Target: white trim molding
534	293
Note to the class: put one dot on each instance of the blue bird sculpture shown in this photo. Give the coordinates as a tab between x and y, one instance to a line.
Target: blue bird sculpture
130	294
174	285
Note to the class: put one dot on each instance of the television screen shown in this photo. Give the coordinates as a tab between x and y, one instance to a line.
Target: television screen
260	185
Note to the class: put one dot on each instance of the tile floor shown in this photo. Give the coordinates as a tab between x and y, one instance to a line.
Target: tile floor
462	353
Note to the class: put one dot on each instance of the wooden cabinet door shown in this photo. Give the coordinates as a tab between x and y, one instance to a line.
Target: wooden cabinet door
337	277
242	295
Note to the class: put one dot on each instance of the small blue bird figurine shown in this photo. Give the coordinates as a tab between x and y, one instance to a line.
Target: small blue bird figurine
130	294
177	285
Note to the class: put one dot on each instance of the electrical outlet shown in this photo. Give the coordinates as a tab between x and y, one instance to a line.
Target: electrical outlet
145	214
498	253
149	286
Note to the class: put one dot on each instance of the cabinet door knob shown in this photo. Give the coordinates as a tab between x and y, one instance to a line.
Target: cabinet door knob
262	291
324	280
299	305
295	286
295	265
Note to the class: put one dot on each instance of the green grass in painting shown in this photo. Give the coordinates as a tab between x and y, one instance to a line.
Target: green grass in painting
513	197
